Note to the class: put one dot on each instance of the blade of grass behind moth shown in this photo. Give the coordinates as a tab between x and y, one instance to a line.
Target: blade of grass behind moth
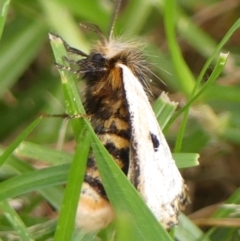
124	196
185	77
223	212
69	29
18	48
33	180
53	195
74	107
187	230
3	14
18	140
134	9
214	75
169	22
164	109
46	154
15	221
71	96
67	216
185	160
227	36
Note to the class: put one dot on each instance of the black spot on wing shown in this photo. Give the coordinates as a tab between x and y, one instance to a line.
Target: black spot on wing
155	141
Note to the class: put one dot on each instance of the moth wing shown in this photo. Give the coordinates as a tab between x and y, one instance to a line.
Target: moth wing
152	169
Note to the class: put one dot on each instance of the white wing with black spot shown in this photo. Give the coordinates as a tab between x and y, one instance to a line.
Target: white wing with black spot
152	169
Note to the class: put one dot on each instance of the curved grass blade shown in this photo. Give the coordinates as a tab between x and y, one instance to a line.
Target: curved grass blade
43	153
215	74
53	195
185	77
73	103
184	160
227	36
15	221
18	50
3	14
18	140
187	230
34	180
67	216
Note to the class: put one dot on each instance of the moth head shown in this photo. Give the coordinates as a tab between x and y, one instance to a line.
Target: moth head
102	64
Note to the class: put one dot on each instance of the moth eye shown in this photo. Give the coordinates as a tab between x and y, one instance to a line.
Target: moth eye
98	58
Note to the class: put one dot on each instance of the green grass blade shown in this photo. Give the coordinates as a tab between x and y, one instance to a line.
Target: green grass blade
182	128
3	14
185	77
31	181
134	9
223	212
17	52
66	222
68	28
227	36
48	155
73	106
94	11
53	195
215	74
187	230
218	69
39	232
194	35
164	109
73	103
184	160
18	140
15	221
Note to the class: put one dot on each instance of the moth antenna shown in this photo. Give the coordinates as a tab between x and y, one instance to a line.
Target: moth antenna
117	6
94	28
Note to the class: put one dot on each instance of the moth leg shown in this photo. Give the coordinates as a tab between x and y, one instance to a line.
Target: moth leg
65	116
69	48
62	67
71	61
74	50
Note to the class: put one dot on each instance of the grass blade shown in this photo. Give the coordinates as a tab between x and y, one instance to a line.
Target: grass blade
18	50
15	220
53	195
48	155
215	74
18	140
184	160
67	216
164	109
185	77
3	14
31	181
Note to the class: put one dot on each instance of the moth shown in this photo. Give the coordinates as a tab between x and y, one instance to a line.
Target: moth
116	97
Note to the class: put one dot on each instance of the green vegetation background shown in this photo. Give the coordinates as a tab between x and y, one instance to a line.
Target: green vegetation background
183	42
